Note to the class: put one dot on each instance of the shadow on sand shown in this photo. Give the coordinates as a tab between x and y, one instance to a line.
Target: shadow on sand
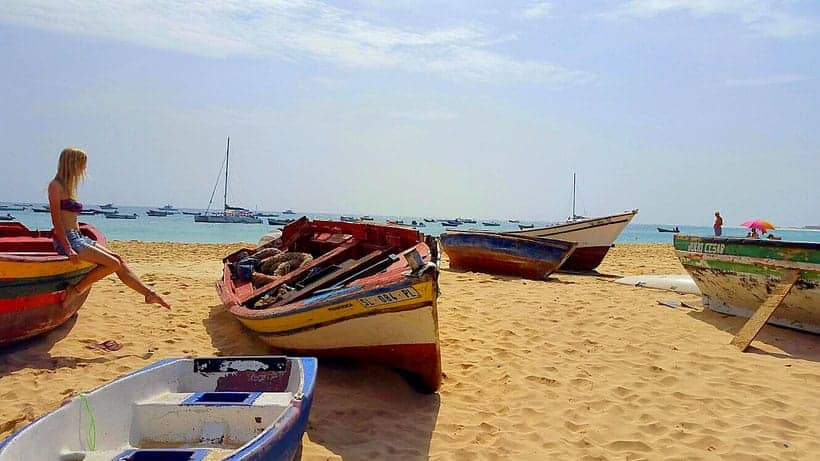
36	352
355	404
794	344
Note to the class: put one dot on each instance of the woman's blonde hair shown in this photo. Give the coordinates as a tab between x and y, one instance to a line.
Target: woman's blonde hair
71	169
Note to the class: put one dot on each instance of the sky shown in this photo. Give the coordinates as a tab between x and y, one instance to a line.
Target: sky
479	109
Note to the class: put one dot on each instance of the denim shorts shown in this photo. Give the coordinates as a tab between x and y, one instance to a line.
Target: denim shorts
77	241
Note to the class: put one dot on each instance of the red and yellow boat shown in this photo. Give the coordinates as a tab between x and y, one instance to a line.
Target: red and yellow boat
366	291
33	279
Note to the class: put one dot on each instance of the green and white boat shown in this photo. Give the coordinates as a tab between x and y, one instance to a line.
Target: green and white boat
737	275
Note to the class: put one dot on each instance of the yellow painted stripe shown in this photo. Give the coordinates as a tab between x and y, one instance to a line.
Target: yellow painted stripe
333	312
16	269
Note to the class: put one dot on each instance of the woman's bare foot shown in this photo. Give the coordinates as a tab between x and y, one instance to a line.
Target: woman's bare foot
72	296
153	298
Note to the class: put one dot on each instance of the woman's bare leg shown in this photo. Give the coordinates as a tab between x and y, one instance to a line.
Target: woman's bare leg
109	263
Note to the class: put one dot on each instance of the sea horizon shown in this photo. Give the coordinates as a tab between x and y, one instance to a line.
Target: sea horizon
180	228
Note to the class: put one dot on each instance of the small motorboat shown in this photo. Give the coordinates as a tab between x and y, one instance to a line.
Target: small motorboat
666	229
280	222
237	408
12	208
108	206
117	215
526	226
34	278
366	218
157	213
41	209
6	217
491	224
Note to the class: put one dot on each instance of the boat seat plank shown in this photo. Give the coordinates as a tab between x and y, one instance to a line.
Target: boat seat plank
752	327
345	269
298	273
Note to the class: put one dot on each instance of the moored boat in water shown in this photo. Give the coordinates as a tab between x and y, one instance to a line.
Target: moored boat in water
229	214
736	275
34	278
505	254
358	290
180	409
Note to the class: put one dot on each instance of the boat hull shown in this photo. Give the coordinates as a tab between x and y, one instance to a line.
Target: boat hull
737	275
33	279
533	258
594	236
375	300
395	325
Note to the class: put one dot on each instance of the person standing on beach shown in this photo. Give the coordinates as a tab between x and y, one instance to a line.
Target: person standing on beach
68	241
718	224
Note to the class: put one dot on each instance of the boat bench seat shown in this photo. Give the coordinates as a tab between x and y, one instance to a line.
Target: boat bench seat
209	417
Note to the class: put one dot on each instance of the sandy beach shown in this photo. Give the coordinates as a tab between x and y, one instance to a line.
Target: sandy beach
576	367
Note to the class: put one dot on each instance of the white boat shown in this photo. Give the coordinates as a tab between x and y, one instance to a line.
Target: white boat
227	408
229	214
594	236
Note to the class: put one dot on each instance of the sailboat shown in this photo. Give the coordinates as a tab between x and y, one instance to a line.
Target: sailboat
594	236
229	214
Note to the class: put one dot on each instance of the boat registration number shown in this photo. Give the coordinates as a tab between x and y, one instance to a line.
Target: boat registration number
701	247
390	297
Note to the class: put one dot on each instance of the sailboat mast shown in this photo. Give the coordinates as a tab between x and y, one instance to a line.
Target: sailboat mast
227	159
573	195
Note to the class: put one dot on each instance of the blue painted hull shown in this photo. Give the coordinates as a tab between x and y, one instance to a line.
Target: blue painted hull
503	254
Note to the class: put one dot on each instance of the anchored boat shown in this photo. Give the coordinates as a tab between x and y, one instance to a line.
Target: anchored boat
33	279
191	409
737	275
338	289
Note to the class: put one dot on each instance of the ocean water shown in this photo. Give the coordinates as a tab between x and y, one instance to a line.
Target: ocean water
182	228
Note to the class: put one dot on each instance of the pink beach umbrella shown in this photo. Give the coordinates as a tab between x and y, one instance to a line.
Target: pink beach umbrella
760	224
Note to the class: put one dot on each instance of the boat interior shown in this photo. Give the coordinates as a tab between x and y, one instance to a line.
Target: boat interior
341	253
16	238
180	410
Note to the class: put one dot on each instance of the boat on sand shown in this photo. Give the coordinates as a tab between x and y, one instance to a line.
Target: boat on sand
34	278
736	276
183	409
503	254
337	289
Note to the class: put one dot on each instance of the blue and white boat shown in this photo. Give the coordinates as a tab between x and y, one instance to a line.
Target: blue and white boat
187	409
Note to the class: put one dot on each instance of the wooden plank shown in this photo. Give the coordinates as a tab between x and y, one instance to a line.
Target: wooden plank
759	318
348	267
325	258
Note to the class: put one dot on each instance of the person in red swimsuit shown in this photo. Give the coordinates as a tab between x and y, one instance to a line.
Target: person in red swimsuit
68	241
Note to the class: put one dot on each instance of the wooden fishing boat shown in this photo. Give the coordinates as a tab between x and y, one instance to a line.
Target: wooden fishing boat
33	279
504	254
594	237
736	276
227	408
369	293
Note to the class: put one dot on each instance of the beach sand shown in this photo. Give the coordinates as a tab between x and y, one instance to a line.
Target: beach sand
573	368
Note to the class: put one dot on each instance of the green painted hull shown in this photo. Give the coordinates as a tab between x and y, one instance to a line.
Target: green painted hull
737	275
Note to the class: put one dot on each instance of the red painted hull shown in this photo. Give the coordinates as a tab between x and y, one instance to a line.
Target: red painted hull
23	318
585	258
421	360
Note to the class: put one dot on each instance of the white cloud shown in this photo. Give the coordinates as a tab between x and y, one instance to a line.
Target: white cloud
288	29
781	79
767	17
537	10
